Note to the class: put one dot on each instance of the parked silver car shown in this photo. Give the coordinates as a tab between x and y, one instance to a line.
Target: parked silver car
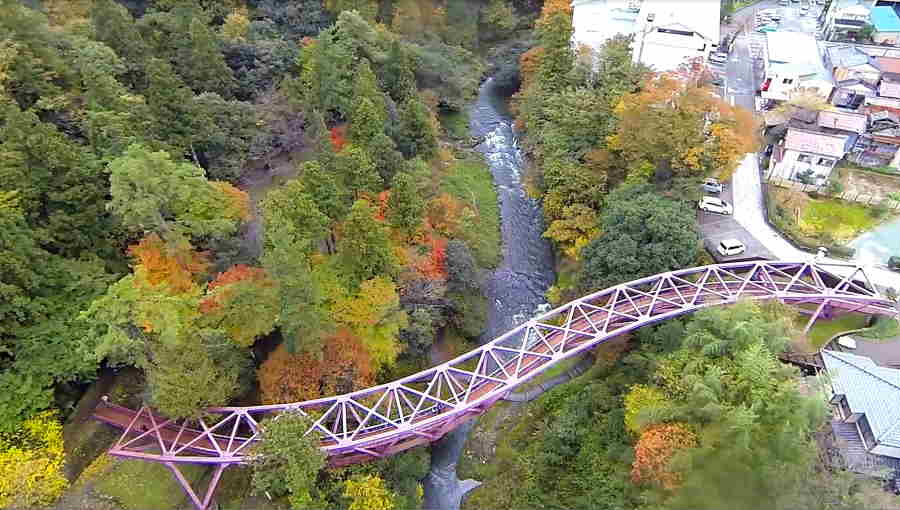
711	185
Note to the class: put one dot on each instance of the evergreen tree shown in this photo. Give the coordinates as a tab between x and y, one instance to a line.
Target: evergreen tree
32	67
364	249
418	130
397	75
367	113
171	105
406	205
326	75
357	170
114	26
328	192
201	62
293	227
61	187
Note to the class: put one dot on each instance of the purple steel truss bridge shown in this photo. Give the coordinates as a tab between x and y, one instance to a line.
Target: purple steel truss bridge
383	420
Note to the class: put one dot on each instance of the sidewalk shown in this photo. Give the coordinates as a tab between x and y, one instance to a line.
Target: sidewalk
749	212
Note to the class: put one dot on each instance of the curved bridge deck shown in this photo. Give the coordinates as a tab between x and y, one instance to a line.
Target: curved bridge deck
386	419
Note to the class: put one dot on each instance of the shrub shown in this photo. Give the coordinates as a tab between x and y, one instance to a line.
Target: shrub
285	461
638	399
31	463
655	449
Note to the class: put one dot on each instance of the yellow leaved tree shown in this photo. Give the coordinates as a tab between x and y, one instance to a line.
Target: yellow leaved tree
31	463
368	493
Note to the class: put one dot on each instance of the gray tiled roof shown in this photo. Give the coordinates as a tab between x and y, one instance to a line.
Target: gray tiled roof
869	389
847	56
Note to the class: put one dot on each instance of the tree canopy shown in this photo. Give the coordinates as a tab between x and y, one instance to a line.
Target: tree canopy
643	233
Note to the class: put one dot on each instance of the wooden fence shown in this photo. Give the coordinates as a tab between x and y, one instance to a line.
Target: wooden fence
862	198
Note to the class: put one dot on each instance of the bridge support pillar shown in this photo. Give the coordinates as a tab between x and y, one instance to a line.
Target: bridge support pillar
443	488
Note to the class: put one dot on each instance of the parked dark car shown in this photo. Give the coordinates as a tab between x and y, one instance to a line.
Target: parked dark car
894	264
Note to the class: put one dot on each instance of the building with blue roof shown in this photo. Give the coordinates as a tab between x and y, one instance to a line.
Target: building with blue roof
886	21
867	399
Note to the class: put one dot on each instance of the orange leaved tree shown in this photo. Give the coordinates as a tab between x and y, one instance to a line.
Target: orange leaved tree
344	366
243	301
654	451
175	265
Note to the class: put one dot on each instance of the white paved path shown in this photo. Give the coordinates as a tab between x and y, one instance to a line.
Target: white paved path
748	211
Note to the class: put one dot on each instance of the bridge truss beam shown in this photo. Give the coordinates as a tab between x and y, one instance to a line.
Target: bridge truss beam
383	420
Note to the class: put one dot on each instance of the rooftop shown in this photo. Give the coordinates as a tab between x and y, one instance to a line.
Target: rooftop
792	47
796	53
885	19
869	389
677	30
810	139
847	56
888	64
843	120
595	21
847	99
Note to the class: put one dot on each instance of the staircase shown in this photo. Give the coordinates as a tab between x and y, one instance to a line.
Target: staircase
848	439
809	363
855	455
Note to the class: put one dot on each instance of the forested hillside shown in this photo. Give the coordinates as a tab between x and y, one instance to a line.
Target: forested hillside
213	202
696	413
247	201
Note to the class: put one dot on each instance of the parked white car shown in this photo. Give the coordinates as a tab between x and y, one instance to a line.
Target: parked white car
730	247
714	205
718	57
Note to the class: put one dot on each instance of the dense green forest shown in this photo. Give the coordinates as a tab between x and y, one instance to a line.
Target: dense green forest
246	201
694	414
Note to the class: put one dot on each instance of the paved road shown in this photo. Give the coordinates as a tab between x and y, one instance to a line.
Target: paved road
748	211
745	69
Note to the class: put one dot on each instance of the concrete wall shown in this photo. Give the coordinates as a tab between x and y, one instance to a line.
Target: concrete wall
886	37
790	166
887	451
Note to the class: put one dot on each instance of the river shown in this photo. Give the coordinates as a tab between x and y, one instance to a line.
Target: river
515	288
877	246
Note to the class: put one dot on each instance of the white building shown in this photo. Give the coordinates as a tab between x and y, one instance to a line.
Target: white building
814	143
794	64
845	18
667	33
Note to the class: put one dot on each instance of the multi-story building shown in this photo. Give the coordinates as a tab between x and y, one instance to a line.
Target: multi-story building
845	18
794	64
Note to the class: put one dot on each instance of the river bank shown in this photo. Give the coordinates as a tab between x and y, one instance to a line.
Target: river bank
516	287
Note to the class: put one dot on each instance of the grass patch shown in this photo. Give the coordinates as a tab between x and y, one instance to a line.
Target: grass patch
885	328
455	124
813	222
138	485
840	220
824	329
470	181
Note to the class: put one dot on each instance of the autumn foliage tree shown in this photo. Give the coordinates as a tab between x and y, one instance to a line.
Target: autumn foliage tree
654	451
243	301
433	266
368	493
375	316
175	265
638	399
345	365
686	128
